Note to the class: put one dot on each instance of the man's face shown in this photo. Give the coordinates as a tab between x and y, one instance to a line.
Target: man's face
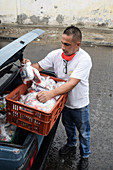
69	47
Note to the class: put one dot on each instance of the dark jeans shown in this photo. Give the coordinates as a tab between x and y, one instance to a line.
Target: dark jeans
77	118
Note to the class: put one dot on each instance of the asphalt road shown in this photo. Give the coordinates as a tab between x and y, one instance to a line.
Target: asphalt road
101	111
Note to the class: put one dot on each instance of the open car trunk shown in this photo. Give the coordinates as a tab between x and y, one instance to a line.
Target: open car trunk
16	151
24	149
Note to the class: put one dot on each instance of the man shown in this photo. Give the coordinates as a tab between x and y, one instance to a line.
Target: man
73	64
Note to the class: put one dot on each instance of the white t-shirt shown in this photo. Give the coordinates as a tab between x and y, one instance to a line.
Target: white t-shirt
79	67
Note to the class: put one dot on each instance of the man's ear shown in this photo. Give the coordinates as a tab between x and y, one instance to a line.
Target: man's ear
78	43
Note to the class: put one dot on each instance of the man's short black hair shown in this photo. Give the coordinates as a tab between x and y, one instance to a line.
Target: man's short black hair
75	31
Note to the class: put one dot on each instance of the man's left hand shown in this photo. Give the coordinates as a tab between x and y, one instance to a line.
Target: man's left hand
44	96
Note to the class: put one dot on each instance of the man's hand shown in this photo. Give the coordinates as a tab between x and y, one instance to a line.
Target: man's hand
44	96
25	61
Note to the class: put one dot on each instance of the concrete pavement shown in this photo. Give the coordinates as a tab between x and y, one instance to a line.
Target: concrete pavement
91	36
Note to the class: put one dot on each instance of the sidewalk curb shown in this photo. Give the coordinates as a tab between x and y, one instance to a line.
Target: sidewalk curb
92	36
87	43
91	43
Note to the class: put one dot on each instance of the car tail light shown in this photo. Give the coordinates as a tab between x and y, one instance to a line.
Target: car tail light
32	159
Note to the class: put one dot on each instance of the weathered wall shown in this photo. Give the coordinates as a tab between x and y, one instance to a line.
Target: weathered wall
57	12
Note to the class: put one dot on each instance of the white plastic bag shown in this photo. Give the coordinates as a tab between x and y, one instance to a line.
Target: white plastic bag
31	100
28	72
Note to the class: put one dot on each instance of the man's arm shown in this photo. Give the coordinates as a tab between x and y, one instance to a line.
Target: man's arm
37	66
44	96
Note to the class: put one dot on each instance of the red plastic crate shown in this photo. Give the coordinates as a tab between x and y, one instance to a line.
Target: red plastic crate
29	118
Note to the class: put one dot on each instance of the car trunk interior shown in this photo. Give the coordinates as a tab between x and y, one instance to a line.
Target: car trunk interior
10	79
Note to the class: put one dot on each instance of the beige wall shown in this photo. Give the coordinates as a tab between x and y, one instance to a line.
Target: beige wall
57	12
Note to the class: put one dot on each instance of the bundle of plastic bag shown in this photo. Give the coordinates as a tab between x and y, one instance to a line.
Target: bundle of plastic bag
31	100
6	131
28	72
40	83
46	84
3	102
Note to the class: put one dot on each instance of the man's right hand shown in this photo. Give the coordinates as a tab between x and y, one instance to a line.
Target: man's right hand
25	61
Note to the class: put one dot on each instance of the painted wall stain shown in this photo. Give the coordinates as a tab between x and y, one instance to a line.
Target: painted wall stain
55	7
60	19
38	20
21	18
